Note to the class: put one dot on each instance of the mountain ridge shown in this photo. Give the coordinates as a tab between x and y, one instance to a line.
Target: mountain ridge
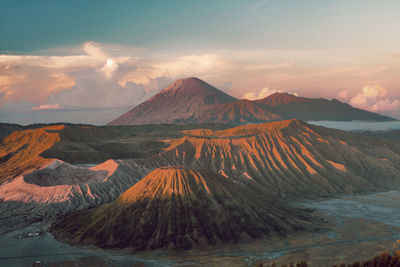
191	100
290	158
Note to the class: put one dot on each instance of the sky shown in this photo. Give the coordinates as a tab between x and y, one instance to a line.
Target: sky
90	61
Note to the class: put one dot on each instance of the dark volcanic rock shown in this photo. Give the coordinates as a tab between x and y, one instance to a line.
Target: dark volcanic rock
180	208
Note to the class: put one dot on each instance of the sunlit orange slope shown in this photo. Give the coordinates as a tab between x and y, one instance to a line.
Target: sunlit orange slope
290	158
19	152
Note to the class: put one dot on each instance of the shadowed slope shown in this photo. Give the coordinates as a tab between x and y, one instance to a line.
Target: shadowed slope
238	112
277	99
183	101
179	207
289	158
289	106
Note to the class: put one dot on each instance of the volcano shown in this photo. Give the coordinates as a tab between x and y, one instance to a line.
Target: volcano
183	101
179	208
193	101
289	158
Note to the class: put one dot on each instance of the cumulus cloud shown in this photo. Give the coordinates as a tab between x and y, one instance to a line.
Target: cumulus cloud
374	98
34	78
47	107
92	89
368	95
343	95
110	75
31	83
263	93
386	105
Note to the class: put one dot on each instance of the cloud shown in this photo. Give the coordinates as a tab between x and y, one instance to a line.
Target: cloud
368	95
204	65
263	93
92	89
93	50
386	105
343	95
109	68
110	75
47	107
31	83
34	78
374	98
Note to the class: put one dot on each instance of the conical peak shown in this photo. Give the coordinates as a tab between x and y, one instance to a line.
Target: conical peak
167	181
186	82
173	173
190	85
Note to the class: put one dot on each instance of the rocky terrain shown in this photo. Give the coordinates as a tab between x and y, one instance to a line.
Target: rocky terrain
290	159
39	186
180	208
236	176
192	100
59	188
19	151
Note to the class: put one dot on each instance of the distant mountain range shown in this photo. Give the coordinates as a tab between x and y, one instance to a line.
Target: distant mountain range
191	100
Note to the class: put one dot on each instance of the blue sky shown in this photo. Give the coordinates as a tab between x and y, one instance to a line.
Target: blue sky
313	48
28	26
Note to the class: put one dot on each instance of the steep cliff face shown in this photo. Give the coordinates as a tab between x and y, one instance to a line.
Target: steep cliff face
289	158
180	208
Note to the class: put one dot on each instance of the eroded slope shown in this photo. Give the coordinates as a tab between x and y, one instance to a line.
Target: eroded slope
19	151
289	158
178	207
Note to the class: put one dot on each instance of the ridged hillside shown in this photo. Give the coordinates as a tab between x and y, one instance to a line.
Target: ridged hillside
289	158
19	151
180	208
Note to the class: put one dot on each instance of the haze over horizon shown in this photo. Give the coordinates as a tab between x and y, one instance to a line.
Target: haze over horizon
74	61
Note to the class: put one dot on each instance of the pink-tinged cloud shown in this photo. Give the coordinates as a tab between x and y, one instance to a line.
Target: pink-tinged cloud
374	98
263	93
47	107
107	75
343	95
